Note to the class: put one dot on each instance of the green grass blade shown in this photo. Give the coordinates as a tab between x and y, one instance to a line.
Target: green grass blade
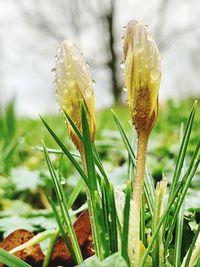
10	120
126	217
112	219
11	260
75	128
89	158
96	155
185	185
191	170
182	151
65	214
191	248
66	152
62	230
178	238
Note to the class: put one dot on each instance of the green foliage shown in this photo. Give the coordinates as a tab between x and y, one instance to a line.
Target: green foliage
11	260
25	182
114	260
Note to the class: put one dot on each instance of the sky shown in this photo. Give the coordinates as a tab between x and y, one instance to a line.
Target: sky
27	55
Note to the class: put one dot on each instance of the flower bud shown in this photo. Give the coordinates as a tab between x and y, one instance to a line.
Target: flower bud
74	85
142	74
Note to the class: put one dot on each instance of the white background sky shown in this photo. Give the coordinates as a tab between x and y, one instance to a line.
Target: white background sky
27	56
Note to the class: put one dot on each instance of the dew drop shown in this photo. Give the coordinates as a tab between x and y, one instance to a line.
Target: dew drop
53	70
155	74
63	181
125	89
122	64
149	37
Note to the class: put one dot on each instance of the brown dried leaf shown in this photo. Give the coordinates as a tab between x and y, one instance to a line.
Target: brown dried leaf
61	254
32	255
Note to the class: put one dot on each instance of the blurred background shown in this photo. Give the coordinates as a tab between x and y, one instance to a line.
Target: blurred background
32	30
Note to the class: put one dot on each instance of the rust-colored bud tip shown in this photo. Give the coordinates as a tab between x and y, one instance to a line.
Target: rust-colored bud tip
142	74
73	85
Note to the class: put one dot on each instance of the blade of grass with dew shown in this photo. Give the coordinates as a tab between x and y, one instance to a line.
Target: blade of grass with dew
11	260
92	182
185	185
126	217
80	136
112	219
54	237
66	152
101	227
88	152
65	214
109	192
178	238
190	173
62	230
105	209
180	220
54	151
182	151
148	183
191	249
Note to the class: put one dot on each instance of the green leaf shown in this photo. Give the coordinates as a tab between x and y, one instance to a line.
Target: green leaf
63	207
186	181
178	238
11	260
192	251
126	217
66	152
115	260
182	151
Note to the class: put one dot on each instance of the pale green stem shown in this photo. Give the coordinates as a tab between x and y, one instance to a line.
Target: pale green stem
33	241
51	246
138	189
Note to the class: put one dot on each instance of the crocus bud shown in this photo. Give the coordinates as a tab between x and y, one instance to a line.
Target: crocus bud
142	73
74	85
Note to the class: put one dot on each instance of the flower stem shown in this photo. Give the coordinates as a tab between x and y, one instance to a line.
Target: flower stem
138	188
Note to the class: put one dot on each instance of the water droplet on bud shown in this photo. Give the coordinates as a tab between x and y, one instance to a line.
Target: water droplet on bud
122	64
155	74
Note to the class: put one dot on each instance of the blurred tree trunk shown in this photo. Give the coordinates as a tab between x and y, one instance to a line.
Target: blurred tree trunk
113	62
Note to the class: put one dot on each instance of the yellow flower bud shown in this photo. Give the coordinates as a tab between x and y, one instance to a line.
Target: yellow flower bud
142	74
74	85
